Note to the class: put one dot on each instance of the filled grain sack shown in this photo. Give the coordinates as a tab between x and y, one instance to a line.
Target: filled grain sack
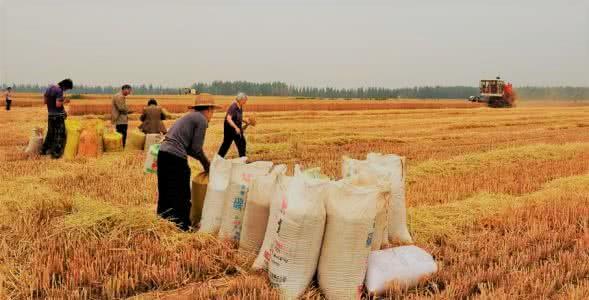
278	200
314	173
198	192
152	138
351	166
395	168
388	170
257	211
349	230
150	165
100	129
135	140
235	199
113	141
73	129
296	248
219	176
364	174
380	222
89	144
402	266
35	142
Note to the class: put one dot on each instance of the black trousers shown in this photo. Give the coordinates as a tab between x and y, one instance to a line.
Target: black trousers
8	103
56	137
173	183
229	136
122	129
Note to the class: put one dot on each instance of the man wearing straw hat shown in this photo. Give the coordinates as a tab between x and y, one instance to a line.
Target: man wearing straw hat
185	138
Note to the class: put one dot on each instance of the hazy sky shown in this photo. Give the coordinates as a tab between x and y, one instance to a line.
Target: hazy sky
334	43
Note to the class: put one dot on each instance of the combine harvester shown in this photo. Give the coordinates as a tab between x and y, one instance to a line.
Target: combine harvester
496	93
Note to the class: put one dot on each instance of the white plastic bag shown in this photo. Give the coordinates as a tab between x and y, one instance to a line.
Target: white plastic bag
150	165
219	175
235	199
295	251
404	266
349	231
257	211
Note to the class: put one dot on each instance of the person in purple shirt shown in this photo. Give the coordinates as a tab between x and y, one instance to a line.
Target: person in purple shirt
234	126
56	135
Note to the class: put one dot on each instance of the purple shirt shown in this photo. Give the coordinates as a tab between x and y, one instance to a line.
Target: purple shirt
53	94
236	115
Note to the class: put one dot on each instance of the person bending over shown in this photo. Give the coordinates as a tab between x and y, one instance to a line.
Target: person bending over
185	138
152	118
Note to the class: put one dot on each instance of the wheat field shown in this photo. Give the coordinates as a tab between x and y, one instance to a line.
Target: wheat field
500	197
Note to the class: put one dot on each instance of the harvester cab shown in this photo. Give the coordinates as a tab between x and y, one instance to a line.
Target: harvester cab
497	93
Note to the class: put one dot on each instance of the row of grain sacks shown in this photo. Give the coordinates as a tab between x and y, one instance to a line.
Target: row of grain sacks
91	138
302	225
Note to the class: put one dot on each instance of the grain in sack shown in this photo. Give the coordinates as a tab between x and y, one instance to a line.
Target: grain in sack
89	144
389	171
257	211
113	141
296	248
135	140
366	173
351	211
395	167
73	129
219	176
277	201
235	199
198	191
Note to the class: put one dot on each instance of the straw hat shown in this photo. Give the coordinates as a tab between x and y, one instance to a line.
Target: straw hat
204	100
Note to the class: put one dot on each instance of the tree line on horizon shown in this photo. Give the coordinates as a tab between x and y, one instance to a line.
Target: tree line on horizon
282	89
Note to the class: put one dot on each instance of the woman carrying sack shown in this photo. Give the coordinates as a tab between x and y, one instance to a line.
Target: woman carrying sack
185	138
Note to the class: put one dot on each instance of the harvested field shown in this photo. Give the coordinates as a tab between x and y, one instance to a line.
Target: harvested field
499	196
92	109
101	104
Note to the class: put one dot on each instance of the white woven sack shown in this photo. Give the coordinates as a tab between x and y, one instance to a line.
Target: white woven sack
35	142
235	199
295	251
367	173
257	211
219	175
351	166
404	266
397	215
380	222
349	230
277	201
